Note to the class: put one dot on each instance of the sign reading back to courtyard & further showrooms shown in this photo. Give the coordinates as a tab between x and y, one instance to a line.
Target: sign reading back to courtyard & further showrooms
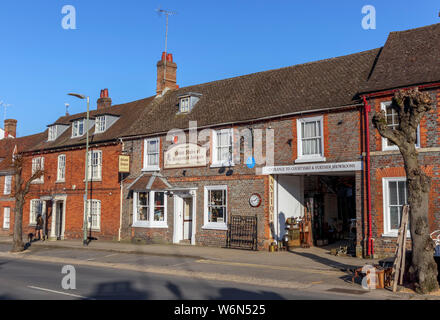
315	168
185	155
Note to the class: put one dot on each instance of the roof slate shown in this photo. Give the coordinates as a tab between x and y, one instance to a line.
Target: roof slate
408	58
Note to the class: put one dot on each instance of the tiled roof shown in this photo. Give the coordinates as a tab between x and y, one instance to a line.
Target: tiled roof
152	181
128	113
408	58
317	85
23	143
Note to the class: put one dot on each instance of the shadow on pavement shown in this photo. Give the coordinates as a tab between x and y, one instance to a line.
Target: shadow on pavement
118	291
327	262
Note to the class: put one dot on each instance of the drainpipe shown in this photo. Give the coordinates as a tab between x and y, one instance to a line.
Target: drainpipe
367	109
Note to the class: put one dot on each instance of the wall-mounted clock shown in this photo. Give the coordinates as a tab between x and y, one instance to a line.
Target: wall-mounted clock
255	200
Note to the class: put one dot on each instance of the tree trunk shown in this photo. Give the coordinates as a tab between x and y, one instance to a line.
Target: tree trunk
18	244
423	270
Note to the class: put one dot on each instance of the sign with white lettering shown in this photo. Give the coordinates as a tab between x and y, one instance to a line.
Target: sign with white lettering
314	168
185	155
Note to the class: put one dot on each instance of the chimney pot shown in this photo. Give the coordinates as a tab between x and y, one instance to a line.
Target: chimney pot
170	57
104	101
163	56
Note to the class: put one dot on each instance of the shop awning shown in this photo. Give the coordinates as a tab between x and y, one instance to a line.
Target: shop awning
153	181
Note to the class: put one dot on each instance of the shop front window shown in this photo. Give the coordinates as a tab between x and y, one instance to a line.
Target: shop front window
216	207
150	210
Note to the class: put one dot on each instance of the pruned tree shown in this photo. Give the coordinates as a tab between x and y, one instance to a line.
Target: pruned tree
21	190
411	106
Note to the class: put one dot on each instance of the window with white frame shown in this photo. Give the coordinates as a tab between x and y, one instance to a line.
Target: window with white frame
216	207
151	154
392	119
52	133
95	165
222	148
100	125
38	164
36	209
6	218
395	197
94	214
184	104
61	172
8	185
150	209
78	128
310	139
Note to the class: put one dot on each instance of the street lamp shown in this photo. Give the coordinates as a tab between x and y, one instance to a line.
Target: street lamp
80	96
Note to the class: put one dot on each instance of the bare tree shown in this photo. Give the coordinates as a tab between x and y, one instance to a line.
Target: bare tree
21	190
411	106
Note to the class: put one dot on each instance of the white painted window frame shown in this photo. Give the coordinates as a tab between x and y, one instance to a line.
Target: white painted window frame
34	213
387	231
37	163
150	223
147	166
93	204
222	163
52	134
100	124
61	169
75	128
185	104
6	218
309	158
215	225
385	146
8	185
95	170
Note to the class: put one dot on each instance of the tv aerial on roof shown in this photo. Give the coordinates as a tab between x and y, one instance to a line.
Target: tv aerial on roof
166	13
5	106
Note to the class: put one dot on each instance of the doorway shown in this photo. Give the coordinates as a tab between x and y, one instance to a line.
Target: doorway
59	220
184	217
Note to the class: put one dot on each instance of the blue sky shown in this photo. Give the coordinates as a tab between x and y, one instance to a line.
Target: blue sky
117	43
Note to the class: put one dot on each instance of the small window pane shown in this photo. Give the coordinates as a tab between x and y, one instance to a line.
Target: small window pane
159	206
393	193
395	217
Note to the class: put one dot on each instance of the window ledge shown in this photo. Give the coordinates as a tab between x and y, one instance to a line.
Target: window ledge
222	165
214	226
37	182
148	169
150	225
394	235
60	181
32	225
310	159
93	180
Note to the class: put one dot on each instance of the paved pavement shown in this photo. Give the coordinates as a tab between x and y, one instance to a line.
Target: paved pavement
312	271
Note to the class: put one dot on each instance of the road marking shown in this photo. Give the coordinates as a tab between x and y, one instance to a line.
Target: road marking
111	255
59	292
263	266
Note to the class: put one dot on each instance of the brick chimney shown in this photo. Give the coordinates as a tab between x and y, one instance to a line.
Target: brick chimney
10	128
104	101
166	73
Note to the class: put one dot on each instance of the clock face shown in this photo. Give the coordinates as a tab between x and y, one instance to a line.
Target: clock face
255	200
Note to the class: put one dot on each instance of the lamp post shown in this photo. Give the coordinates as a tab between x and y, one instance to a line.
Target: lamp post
80	96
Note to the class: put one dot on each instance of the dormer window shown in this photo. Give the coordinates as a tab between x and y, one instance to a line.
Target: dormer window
100	125
52	133
188	101
55	130
78	128
184	104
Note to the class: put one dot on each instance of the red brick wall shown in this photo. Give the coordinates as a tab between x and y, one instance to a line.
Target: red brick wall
107	190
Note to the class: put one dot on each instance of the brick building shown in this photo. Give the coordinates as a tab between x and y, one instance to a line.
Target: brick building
270	145
59	195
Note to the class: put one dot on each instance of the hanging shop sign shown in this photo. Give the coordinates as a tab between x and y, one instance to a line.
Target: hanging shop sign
185	155
124	164
314	168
